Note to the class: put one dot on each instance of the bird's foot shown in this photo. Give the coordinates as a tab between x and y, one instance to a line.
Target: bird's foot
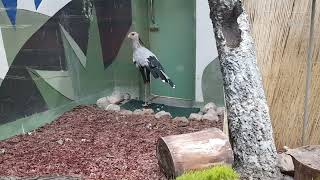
145	104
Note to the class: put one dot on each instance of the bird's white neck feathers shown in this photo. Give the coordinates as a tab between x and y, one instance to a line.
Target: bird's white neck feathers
136	44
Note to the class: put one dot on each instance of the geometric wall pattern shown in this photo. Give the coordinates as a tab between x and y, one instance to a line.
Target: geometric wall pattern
58	51
86	74
23	19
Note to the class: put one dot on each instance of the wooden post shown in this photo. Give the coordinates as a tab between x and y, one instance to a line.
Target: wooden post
179	153
306	162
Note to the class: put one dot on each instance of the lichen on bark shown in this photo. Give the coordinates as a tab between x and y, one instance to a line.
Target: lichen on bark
250	126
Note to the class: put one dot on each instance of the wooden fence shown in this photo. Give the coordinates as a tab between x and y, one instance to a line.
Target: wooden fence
281	32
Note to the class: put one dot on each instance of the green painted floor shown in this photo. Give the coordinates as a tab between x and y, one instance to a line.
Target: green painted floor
175	111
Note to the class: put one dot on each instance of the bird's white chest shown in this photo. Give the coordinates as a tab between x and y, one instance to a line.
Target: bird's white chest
141	55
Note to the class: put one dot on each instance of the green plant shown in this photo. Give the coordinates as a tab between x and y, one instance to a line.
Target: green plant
221	172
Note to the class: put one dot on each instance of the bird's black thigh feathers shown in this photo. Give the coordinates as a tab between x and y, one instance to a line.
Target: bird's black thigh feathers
145	74
147	71
141	69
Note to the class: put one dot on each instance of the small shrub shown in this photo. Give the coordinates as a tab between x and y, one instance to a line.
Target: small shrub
221	172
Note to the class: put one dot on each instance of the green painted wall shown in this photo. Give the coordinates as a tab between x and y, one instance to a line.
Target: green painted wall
85	79
14	39
27	124
174	44
212	84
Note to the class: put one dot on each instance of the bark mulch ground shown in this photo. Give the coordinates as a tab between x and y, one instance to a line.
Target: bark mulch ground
93	144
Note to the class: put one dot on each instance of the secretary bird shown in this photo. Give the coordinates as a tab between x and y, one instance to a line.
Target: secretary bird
147	63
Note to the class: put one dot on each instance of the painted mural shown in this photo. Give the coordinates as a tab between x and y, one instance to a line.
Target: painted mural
54	52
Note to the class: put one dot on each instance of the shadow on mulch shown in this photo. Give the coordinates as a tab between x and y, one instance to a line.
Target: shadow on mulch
93	144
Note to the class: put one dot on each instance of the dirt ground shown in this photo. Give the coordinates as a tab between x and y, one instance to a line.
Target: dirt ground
93	144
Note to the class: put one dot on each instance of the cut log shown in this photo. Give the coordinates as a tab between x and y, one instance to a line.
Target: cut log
306	162
179	153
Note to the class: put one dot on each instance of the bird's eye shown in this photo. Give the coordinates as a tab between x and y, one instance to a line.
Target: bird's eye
132	34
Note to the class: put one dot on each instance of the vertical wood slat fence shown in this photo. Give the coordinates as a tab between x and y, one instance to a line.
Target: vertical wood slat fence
281	32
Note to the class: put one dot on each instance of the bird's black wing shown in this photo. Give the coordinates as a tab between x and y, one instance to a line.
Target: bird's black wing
154	63
157	70
154	67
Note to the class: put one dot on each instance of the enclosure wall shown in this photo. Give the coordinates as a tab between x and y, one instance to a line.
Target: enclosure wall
56	54
209	83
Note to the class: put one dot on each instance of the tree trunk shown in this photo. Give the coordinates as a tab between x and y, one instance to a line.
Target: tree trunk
179	153
248	114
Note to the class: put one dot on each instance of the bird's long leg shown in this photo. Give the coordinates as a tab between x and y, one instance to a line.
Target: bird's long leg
147	87
142	71
145	95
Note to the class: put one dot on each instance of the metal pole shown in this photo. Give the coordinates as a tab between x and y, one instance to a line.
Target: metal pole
309	74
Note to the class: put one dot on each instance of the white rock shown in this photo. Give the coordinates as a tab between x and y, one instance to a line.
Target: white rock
148	111
2	151
115	98
126	112
149	126
220	111
126	96
285	163
60	141
195	117
112	107
138	112
68	139
200	113
103	103
208	106
161	114
210	117
181	119
212	112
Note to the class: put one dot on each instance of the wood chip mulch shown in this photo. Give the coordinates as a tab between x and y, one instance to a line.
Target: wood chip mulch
91	143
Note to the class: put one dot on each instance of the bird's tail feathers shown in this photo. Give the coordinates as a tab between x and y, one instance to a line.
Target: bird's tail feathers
156	73
166	79
171	83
